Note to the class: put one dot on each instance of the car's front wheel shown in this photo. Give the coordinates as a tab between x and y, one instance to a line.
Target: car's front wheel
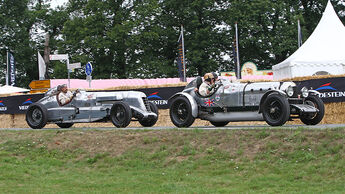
313	118
149	122
36	116
64	125
120	114
181	112
276	110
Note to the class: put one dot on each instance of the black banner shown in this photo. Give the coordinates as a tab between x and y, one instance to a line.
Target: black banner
17	104
331	89
160	96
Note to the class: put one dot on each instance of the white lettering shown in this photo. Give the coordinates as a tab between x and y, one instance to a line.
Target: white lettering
23	107
332	94
3	108
159	102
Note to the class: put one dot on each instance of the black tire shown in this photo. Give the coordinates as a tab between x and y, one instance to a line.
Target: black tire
120	114
36	116
64	125
149	122
219	124
313	118
276	110
181	112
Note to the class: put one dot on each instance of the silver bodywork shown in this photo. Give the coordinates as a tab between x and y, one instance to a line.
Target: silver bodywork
94	106
240	101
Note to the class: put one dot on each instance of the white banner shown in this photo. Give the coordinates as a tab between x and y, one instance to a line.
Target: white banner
41	66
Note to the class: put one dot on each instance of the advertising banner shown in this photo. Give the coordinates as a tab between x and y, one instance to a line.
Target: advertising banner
17	104
160	96
331	89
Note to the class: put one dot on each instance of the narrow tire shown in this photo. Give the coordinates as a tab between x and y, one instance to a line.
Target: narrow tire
120	114
181	112
276	110
219	124
149	122
313	118
36	116
64	125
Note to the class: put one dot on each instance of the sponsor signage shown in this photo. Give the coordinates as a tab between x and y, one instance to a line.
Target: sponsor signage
331	89
160	96
3	107
17	104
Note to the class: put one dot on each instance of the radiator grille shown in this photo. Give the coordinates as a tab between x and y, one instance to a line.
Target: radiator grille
147	105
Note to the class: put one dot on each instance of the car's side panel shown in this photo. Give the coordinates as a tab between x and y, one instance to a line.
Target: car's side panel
254	92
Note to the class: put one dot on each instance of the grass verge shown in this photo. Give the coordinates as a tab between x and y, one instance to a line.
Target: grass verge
173	161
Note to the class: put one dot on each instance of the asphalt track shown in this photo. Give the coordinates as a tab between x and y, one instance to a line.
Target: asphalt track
235	127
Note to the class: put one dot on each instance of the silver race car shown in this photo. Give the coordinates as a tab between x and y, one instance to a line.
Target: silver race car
273	102
118	107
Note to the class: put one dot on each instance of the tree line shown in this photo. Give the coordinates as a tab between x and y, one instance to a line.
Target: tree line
138	38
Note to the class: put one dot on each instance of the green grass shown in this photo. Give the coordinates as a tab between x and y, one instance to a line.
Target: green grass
173	161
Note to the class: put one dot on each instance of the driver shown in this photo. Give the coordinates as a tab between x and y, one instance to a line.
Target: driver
207	87
65	96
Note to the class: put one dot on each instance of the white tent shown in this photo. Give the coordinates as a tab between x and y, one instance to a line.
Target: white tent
324	51
11	89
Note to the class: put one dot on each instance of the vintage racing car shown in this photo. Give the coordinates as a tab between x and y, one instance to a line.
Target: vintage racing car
273	102
118	107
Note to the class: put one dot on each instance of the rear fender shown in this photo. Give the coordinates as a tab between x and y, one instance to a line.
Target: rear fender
268	93
191	100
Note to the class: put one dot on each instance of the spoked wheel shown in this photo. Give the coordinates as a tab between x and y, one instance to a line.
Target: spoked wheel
276	110
313	118
219	124
120	114
181	112
149	122
64	125
36	116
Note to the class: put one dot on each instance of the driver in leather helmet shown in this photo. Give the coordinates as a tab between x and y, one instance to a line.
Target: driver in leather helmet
65	96
207	87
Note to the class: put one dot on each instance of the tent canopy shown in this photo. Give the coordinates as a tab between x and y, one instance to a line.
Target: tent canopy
323	51
11	89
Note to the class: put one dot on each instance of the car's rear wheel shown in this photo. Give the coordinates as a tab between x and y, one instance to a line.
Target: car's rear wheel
219	124
313	118
120	114
276	110
149	122
181	112
36	116
64	125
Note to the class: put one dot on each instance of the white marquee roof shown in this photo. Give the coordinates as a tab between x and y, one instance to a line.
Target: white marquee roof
326	45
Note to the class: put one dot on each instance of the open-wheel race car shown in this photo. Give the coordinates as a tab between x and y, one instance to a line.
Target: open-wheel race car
273	102
119	107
